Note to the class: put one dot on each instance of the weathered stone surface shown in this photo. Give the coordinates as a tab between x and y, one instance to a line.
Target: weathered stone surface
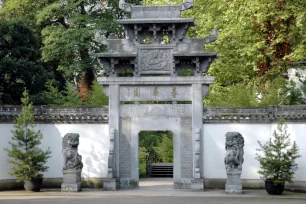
73	165
233	189
72	160
233	183
147	110
110	184
155	60
71	180
125	146
155	93
139	12
197	184
71	187
233	162
234	146
186	149
157	80
45	114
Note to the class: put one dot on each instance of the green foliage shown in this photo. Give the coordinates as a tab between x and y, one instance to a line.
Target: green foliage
166	40
186	72
165	148
142	161
149	139
20	65
282	92
68	97
53	95
71	31
278	159
258	41
97	96
27	158
160	146
71	96
146	40
237	95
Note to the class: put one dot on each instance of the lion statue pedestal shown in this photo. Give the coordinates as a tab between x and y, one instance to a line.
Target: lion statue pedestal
233	162
72	167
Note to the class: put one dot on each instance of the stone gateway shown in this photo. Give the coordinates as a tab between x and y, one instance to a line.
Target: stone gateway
155	66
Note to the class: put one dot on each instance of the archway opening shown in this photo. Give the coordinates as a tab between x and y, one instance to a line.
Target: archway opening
156	155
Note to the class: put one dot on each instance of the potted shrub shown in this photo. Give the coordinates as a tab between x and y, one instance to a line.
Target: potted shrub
277	161
27	158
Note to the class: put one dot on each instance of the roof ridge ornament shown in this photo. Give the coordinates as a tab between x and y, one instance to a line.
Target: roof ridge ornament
125	6
187	5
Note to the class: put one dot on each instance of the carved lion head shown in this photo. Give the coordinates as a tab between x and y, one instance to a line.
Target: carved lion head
71	140
234	139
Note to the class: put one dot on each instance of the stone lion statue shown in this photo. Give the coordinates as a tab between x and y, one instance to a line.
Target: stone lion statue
72	160
234	146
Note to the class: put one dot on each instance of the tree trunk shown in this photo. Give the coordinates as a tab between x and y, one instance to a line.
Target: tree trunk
84	84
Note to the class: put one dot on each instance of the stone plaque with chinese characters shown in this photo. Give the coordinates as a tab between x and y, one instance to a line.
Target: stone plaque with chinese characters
155	93
155	61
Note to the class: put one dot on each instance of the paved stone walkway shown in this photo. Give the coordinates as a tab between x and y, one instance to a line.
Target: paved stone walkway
150	192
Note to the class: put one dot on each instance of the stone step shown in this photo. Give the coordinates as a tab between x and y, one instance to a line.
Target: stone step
162	170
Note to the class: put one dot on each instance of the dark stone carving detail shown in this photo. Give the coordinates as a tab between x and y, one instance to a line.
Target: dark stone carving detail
187	5
72	167
233	160
154	60
72	159
181	31
125	6
234	147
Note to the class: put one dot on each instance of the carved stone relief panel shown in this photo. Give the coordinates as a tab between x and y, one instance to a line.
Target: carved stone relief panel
155	61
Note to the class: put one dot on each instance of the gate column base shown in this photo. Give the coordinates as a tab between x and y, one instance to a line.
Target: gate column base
197	184
110	184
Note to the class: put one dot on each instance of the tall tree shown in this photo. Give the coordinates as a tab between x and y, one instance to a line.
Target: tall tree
72	31
20	65
258	42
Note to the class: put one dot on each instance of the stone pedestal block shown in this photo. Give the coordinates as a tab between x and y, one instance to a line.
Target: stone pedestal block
110	184
197	184
71	180
233	184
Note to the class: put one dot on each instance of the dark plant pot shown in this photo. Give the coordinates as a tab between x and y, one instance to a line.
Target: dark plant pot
33	185
274	189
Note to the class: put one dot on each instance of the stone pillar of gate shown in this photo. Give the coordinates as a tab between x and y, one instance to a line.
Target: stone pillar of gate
112	180
197	183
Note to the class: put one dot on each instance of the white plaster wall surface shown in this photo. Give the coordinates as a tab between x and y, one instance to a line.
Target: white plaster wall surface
214	147
94	145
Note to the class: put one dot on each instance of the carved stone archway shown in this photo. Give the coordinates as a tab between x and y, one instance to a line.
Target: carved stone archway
156	68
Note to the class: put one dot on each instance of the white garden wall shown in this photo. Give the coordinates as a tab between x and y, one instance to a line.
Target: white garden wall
94	147
214	147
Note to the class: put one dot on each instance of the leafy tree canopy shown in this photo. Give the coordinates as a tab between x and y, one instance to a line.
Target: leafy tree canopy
20	64
71	31
258	42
